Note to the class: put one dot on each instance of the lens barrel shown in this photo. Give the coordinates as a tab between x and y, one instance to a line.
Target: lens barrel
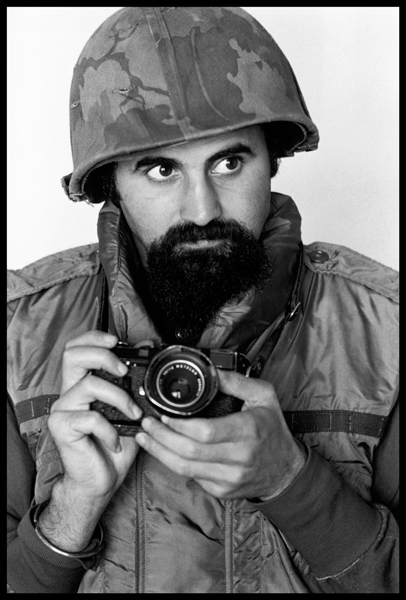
181	380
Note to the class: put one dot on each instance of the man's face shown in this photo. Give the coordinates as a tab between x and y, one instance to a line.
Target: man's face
196	211
226	177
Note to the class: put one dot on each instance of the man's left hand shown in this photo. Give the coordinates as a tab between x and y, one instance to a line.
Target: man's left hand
249	454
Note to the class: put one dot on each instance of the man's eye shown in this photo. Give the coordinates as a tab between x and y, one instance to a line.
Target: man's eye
227	166
161	172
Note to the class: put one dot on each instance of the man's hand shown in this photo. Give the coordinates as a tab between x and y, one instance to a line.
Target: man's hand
95	459
92	453
249	454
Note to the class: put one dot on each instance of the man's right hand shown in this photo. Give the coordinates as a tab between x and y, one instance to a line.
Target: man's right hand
95	459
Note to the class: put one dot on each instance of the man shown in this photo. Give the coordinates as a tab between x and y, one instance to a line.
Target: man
178	119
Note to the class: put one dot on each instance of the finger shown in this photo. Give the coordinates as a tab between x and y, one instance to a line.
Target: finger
189	448
75	426
94	338
221	489
79	360
183	466
91	388
254	392
208	431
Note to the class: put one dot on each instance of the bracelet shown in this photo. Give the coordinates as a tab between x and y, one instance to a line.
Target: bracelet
92	549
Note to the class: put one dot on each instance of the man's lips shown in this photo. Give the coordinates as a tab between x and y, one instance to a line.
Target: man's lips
199	245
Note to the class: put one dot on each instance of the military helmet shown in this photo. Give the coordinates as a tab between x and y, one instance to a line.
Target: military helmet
150	77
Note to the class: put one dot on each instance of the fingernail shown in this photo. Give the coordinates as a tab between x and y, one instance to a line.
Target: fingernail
110	337
122	368
137	412
146	424
140	438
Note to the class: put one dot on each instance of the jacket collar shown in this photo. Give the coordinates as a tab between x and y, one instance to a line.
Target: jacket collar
239	322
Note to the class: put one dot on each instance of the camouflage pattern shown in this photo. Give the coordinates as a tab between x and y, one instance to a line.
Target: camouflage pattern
153	76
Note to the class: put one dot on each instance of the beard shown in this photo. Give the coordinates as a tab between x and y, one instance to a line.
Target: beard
188	286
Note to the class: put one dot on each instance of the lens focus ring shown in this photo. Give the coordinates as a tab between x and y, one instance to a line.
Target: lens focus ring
181	380
180	383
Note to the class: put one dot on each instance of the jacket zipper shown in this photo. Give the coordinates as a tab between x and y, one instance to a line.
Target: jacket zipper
139	534
228	546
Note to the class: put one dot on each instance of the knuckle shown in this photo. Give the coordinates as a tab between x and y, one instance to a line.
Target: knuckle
58	423
151	426
95	418
90	385
244	458
237	478
55	408
69	354
53	420
73	343
222	490
96	383
249	461
244	475
206	432
225	492
254	423
256	429
70	344
193	451
109	392
90	337
185	469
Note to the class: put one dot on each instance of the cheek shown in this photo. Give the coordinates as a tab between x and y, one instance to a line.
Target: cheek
257	208
146	221
144	212
257	194
139	224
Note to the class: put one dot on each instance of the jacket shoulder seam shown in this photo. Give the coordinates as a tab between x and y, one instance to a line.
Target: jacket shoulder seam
64	260
333	267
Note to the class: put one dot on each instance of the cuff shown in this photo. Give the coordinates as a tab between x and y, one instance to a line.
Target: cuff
34	568
323	518
26	532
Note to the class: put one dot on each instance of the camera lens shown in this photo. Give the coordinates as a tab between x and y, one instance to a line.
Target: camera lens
180	383
181	380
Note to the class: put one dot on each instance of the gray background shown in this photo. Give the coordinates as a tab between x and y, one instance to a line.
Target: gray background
346	62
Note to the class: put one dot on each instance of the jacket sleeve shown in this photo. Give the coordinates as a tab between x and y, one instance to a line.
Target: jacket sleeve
348	544
31	566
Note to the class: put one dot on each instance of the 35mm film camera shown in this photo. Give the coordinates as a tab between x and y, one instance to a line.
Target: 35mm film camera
175	380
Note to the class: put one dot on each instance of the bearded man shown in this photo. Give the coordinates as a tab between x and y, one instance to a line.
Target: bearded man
198	403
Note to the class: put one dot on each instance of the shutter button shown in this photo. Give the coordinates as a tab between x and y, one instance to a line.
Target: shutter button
319	256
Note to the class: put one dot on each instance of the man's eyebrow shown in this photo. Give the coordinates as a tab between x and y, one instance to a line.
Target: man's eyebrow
152	161
237	148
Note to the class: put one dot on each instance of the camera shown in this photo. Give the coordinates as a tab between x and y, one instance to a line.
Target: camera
177	381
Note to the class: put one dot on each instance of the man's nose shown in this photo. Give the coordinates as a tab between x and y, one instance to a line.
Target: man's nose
200	203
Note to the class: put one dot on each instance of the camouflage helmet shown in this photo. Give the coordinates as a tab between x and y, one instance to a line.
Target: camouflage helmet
150	77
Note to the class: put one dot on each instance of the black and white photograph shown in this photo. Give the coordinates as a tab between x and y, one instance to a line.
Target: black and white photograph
202	299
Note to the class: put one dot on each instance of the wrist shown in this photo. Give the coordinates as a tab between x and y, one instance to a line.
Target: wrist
296	466
92	549
69	520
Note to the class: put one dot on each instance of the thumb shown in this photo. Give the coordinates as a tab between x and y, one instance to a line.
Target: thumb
254	392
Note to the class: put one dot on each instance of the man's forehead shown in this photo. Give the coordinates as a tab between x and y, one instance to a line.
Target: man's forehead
213	143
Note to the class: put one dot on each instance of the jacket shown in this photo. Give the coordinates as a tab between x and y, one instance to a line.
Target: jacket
333	368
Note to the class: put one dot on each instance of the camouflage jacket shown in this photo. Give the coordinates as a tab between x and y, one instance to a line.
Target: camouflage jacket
334	370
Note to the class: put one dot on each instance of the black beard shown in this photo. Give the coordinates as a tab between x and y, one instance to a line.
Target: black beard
187	287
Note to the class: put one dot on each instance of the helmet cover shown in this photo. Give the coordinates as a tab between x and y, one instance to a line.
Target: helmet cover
155	76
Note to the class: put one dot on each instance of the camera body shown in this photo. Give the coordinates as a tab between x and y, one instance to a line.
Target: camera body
177	381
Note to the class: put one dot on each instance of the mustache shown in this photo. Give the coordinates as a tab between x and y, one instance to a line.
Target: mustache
218	229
